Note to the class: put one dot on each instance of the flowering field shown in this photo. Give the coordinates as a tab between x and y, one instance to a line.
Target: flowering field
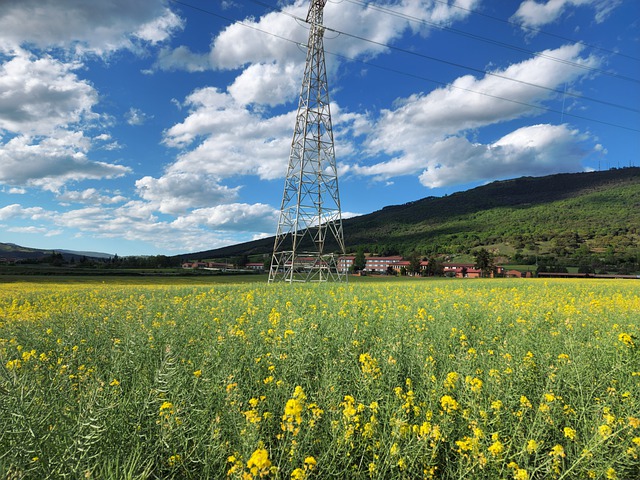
522	379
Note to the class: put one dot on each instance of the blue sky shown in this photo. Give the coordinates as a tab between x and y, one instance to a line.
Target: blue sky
164	127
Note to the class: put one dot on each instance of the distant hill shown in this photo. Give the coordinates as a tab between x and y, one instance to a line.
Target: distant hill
575	218
563	215
11	250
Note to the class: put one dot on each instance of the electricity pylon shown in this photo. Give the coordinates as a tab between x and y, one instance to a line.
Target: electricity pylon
310	213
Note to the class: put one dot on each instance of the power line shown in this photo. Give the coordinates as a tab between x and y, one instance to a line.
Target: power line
491	41
537	30
407	74
459	65
497	97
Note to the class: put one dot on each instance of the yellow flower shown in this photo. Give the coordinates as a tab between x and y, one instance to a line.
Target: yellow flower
369	366
557	451
611	473
496	448
604	430
395	449
626	339
449	404
293	411
451	380
298	474
497	405
259	462
475	384
520	474
197	373
570	433
13	364
532	446
465	445
166	409
310	463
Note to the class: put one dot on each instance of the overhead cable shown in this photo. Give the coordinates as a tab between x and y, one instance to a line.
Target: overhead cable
407	74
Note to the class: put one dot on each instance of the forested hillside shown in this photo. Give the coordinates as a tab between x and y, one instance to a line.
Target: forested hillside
581	218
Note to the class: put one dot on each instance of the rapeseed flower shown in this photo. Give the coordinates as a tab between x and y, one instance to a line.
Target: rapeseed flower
449	404
496	448
570	433
532	446
259	463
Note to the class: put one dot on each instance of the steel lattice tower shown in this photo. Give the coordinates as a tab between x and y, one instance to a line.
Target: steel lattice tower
310	214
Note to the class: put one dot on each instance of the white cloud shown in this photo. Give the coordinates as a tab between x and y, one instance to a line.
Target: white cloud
161	27
175	193
47	232
463	105
532	13
182	58
272	66
267	84
420	131
95	27
233	139
200	229
38	95
136	116
89	196
535	150
18	211
240	217
50	162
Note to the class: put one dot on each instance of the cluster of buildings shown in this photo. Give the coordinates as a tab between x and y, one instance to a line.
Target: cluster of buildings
222	266
395	265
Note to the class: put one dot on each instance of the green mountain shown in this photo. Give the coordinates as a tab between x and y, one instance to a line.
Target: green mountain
570	218
11	250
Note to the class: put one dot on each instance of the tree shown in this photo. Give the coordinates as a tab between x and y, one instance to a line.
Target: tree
484	262
360	261
434	268
414	262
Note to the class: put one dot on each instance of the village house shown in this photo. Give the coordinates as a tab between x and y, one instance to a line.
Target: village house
467	270
345	263
381	264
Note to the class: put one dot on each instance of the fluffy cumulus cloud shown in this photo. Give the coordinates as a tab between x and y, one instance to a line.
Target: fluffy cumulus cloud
533	13
535	150
45	107
50	162
238	216
96	27
38	95
136	116
425	133
198	229
18	211
176	193
230	139
269	49
90	196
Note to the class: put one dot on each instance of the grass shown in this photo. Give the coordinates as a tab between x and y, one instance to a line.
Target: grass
379	379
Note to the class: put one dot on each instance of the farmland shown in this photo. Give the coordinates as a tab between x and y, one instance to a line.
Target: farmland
413	379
